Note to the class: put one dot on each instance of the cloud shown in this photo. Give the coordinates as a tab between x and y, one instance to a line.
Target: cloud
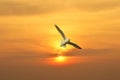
91	52
41	7
98	5
19	8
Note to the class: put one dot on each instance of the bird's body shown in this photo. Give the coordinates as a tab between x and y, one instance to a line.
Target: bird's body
65	40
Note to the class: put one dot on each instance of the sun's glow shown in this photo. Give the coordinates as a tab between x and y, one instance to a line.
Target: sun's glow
59	50
65	60
60	59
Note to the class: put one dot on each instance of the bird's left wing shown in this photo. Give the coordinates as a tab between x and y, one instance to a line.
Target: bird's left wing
61	32
75	45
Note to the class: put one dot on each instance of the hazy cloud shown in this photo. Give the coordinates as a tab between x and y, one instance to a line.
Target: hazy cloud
23	52
18	8
29	8
98	5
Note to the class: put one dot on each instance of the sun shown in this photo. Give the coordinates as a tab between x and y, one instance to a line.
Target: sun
60	59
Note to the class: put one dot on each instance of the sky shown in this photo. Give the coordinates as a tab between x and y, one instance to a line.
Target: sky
30	43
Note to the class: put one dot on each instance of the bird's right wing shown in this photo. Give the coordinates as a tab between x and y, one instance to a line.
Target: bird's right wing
61	32
75	45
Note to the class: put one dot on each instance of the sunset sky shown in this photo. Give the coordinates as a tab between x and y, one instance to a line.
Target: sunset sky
28	38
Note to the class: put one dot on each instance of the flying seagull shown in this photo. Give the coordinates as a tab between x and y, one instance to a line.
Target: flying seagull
66	40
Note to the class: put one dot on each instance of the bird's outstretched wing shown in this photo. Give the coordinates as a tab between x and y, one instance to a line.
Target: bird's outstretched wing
61	32
75	45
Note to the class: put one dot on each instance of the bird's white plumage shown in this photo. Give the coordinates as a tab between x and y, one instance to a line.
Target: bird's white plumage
66	40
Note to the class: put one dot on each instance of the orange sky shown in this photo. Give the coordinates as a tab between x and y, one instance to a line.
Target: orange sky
28	27
92	24
29	42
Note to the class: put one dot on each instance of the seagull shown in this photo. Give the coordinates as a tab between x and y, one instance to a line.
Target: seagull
66	40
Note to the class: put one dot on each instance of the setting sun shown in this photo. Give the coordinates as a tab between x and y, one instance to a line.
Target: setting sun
60	59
